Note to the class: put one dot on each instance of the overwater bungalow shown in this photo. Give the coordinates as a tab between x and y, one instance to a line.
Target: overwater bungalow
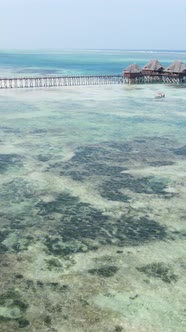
153	67
133	71
133	74
154	72
176	69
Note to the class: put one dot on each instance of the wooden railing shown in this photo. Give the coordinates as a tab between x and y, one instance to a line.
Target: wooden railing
54	81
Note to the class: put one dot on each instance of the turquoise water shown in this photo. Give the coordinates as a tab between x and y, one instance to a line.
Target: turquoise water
92	200
80	62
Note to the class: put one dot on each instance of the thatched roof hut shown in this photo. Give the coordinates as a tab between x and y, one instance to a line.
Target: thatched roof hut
132	71
177	67
153	66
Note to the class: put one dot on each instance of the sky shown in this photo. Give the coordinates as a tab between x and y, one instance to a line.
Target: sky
93	24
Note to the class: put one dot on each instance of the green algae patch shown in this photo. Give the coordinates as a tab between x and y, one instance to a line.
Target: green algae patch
118	329
53	263
15	243
57	247
104	271
11	306
159	270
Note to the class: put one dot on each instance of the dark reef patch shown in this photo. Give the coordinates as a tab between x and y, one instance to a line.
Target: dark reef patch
118	329
105	271
10	130
64	203
104	165
9	160
39	131
82	227
16	191
92	169
3	235
131	231
159	270
160	163
14	236
180	151
36	286
90	154
43	158
21	197
11	306
145	185
3	248
23	323
53	263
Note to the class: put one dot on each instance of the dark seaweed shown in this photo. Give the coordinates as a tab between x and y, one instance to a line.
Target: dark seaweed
43	158
180	151
16	190
145	185
104	271
80	222
3	235
118	329
131	231
92	169
48	321
19	276
159	270
160	163
23	323
109	160
10	130
9	160
11	300
89	154
53	263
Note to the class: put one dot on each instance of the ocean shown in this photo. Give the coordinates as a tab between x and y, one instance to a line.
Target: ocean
92	199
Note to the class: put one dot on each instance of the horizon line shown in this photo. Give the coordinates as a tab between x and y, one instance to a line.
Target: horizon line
94	49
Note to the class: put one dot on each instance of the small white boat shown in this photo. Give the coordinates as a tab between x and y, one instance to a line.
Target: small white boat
160	95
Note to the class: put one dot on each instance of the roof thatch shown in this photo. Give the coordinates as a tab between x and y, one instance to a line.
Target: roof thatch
133	69
153	65
176	67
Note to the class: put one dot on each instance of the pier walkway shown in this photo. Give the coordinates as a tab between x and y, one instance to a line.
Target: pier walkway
54	81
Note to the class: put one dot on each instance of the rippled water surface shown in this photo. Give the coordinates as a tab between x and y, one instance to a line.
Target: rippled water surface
92	209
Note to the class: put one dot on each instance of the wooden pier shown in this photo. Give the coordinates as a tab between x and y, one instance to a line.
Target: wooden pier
55	81
159	79
152	72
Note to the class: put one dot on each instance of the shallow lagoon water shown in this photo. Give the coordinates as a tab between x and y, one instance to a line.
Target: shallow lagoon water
92	209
